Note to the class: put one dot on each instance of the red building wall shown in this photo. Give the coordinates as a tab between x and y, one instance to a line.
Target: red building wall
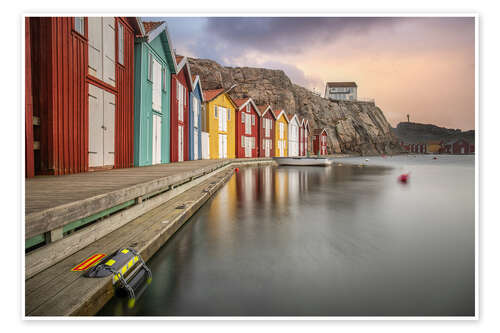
183	78
318	144
59	67
459	145
28	106
262	134
240	131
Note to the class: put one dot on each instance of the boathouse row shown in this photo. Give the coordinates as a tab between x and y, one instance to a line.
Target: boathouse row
110	92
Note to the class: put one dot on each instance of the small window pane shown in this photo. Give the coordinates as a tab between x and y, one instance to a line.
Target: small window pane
150	67
80	25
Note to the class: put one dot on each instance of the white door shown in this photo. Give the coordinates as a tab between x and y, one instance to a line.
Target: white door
267	147
222	146
248	146
109	128
96	110
101	127
156	156
195	144
462	150
181	144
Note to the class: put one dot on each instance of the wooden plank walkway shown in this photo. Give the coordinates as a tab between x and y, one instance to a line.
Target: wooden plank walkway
57	291
52	201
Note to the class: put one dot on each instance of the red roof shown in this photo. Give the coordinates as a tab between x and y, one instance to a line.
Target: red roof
150	26
318	131
240	101
208	95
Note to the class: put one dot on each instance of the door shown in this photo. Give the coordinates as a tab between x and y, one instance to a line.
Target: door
156	148
267	146
222	146
181	144
101	127
195	144
248	146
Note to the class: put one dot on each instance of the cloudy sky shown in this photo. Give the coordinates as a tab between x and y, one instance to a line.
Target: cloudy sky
418	66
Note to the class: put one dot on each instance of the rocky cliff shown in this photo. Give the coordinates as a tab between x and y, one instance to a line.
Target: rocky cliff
409	132
353	127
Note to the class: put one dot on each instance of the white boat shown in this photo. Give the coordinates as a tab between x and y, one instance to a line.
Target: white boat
303	161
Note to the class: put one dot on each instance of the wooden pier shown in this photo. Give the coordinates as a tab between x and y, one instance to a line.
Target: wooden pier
163	197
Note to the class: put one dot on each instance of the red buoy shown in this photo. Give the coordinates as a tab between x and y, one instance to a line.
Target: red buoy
237	169
404	178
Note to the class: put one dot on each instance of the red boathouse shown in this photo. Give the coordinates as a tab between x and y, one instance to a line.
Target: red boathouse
266	133
319	141
247	128
79	93
179	111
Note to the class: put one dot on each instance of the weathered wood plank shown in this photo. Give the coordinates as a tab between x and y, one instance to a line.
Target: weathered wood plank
82	296
48	255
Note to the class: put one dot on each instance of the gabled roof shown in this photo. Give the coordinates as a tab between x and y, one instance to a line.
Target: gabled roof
266	108
181	62
195	80
319	131
209	95
292	117
155	29
150	26
278	114
341	84
242	102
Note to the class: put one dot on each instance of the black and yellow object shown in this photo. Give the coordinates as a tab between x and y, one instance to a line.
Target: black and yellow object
128	269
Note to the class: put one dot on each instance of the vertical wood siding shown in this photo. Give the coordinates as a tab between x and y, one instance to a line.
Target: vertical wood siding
240	131
59	61
182	77
262	134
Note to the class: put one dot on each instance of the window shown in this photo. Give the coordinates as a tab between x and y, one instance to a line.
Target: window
180	100
121	56
242	141
248	107
215	112
195	112
150	67
80	25
243	118
156	79
253	120
228	114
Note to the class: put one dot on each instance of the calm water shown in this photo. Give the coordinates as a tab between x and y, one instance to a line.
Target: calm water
338	241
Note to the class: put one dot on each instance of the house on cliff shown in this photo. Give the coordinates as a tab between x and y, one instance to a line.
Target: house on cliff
154	64
319	141
247	128
220	112
342	91
281	138
79	93
267	131
293	136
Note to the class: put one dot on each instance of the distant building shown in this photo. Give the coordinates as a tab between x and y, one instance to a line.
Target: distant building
344	91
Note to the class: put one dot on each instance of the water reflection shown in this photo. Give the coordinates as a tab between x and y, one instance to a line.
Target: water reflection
343	240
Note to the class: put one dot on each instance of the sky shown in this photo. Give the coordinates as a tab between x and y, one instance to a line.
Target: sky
421	66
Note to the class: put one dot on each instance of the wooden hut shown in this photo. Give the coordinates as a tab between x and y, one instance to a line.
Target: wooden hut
80	81
247	128
281	134
267	131
293	135
195	126
155	62
319	141
220	122
179	111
